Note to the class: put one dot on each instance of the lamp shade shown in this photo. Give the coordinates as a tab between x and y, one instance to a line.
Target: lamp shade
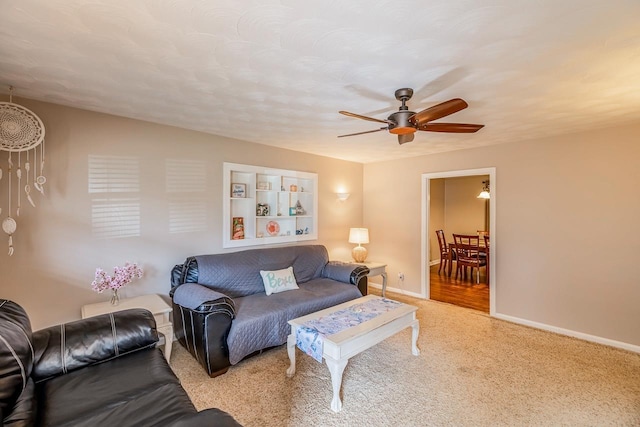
484	194
359	235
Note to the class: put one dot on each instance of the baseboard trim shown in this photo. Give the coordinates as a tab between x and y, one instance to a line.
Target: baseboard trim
434	262
592	338
543	326
396	290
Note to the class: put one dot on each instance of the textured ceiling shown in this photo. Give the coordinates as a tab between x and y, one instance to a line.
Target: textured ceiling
277	72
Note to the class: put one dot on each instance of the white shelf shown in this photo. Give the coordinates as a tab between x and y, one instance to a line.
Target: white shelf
299	187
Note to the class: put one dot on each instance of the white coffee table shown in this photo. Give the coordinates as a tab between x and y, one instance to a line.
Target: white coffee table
154	303
340	347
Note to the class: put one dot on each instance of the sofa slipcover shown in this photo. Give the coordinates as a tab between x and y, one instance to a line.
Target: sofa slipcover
223	315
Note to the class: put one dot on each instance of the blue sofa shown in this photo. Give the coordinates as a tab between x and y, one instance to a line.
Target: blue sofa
222	314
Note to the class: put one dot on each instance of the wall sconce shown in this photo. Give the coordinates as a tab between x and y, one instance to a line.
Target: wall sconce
484	194
343	196
359	236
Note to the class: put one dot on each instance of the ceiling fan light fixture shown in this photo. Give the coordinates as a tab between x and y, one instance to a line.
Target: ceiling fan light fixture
405	123
400	124
402	130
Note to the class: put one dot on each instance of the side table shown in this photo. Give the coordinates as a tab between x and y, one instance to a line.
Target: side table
154	303
375	269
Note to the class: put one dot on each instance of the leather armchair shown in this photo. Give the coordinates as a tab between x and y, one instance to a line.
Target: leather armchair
99	371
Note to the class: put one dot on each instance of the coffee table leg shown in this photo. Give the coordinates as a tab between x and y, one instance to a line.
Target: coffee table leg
415	326
291	350
336	368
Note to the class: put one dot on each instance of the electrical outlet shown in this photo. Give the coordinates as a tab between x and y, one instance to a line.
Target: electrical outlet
401	276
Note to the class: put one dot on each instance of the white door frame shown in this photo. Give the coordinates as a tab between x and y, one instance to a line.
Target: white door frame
426	200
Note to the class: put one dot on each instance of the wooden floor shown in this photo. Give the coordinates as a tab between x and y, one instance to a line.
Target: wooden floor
464	293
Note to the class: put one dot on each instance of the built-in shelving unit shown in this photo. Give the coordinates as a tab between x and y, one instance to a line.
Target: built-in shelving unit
276	205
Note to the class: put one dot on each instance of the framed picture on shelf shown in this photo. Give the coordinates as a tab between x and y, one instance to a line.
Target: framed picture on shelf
238	190
237	229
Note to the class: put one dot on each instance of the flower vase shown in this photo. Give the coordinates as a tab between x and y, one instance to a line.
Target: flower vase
115	298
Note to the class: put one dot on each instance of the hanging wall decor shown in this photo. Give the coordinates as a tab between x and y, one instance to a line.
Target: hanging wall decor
22	136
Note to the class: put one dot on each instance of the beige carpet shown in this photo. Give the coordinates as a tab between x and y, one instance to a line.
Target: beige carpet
472	371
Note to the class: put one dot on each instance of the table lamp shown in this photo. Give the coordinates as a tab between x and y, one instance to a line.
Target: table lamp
359	236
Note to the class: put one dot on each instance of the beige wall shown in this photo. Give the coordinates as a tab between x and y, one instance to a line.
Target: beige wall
563	203
56	252
464	212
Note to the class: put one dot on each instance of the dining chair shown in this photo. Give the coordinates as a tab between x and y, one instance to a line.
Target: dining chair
446	254
487	250
467	249
481	235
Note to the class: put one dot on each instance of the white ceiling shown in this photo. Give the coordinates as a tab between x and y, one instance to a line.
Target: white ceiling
277	72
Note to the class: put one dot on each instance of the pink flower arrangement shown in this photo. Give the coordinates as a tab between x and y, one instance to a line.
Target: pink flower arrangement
121	276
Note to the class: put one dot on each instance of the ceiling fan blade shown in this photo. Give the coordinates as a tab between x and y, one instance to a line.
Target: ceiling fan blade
403	139
362	133
450	127
438	111
439	84
358	116
361	90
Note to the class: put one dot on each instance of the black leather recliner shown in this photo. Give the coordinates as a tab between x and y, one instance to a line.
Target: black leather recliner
100	371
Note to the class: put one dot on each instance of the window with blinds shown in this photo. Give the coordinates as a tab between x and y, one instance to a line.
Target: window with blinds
185	185
114	183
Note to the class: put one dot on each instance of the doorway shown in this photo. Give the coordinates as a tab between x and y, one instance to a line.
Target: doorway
425	235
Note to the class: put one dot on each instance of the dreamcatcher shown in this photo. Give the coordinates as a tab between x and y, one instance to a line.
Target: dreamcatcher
22	135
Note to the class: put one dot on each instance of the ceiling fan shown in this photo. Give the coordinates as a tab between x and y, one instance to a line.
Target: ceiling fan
405	123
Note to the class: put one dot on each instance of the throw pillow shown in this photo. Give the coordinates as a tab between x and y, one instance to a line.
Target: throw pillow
278	280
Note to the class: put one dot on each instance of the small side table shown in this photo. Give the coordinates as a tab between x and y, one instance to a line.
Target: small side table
375	269
154	303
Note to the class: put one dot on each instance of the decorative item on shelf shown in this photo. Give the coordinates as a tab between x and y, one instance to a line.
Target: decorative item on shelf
301	231
264	185
121	277
282	188
237	229
293	188
484	194
20	131
359	236
273	228
262	209
238	190
299	209
292	211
